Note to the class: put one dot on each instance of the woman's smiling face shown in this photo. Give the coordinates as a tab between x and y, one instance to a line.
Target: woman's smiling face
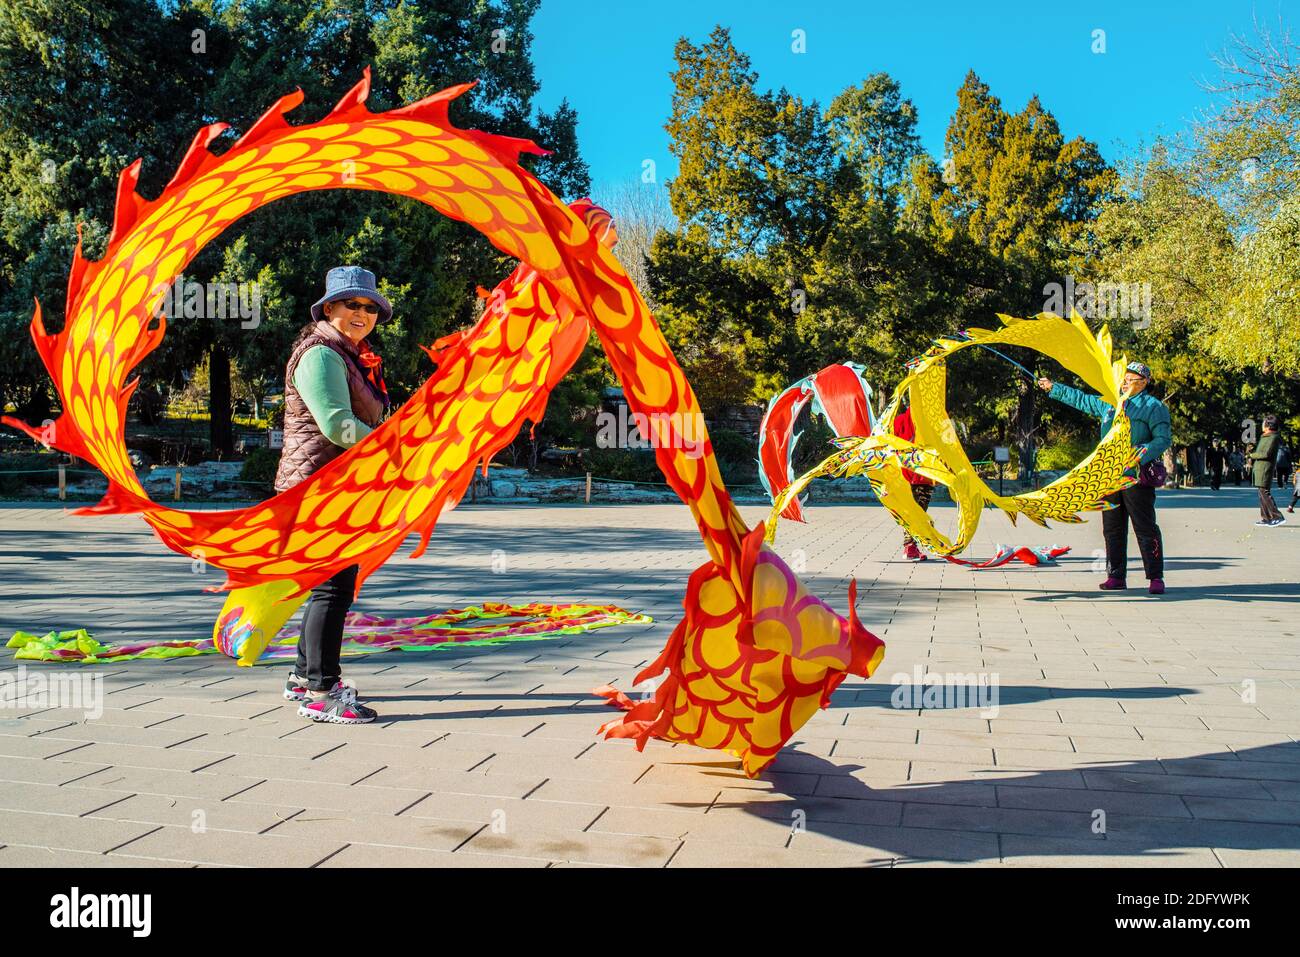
354	316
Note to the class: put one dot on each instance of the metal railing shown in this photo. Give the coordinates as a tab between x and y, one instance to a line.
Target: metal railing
63	471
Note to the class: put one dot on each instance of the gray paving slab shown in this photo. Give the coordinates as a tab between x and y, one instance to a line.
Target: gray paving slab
1178	717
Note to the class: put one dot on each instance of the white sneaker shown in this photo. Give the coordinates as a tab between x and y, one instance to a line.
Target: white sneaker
295	687
339	706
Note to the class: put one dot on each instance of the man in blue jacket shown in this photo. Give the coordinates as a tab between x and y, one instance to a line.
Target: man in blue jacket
1149	425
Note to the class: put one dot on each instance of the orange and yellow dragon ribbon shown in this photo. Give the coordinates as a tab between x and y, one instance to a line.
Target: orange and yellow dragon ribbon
755	654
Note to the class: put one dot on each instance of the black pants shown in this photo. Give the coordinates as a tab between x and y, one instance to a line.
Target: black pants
922	494
322	630
1216	478
1267	507
1136	504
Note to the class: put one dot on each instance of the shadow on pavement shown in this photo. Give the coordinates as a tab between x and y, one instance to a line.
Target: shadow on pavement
1243	498
1131	808
880	694
1140	808
1249	591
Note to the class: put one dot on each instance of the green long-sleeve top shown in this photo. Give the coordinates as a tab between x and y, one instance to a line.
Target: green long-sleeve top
321	379
1148	417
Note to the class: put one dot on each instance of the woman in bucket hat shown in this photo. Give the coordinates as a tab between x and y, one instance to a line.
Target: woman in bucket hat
1149	426
334	396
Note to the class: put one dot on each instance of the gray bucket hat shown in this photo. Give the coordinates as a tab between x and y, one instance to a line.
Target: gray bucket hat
344	282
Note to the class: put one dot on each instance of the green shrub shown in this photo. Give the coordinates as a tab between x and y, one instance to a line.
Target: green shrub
624	465
737	456
260	466
816	442
1064	453
735	453
25	464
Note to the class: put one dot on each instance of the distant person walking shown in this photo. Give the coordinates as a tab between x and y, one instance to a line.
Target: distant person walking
1237	465
1149	427
1295	491
1214	462
1264	459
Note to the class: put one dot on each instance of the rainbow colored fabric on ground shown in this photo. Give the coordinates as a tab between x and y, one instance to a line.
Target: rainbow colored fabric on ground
492	623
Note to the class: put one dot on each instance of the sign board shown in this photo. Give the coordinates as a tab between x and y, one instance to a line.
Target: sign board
275	438
1001	453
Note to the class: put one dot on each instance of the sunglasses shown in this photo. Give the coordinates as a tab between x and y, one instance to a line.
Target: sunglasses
369	308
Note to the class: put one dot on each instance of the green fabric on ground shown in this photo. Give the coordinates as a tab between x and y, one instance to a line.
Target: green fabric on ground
79	646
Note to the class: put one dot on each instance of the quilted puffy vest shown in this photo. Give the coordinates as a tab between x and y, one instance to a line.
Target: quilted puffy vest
306	448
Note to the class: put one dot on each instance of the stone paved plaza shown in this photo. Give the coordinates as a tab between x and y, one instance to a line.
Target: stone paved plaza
1130	730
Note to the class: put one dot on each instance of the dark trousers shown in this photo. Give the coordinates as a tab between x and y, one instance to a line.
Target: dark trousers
1267	507
922	494
322	630
1138	505
1216	477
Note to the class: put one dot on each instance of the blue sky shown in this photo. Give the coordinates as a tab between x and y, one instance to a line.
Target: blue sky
612	61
